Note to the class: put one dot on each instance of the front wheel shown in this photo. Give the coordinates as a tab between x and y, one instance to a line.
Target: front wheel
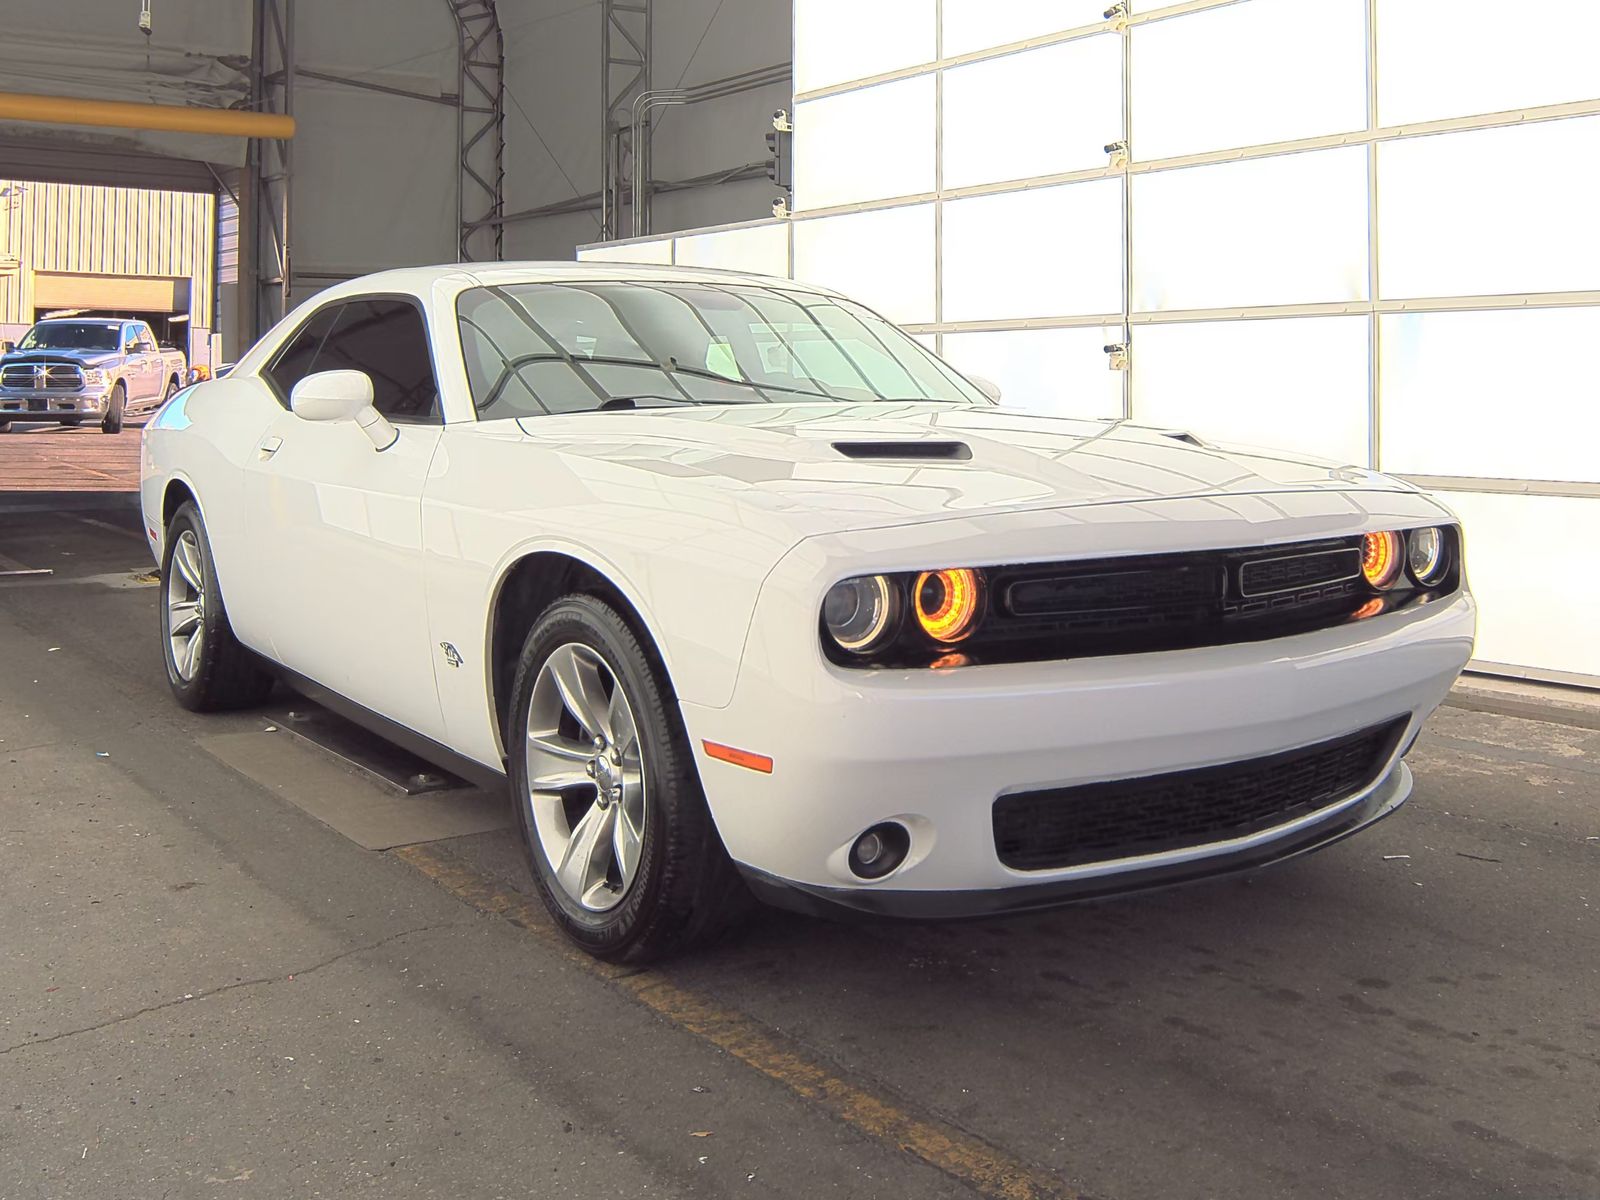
172	389
207	668
112	421
618	835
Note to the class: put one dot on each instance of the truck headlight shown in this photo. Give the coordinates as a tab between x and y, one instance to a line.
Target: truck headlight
94	377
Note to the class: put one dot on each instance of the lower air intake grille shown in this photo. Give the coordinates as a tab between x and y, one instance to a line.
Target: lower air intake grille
1096	822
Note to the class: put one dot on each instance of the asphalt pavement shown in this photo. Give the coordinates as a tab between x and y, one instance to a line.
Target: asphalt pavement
205	991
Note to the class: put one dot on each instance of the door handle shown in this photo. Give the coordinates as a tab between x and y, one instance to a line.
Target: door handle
269	447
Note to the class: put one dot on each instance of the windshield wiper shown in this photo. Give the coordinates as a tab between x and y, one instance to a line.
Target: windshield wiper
627	403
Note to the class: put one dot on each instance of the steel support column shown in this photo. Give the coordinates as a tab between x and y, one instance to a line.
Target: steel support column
480	130
626	30
271	162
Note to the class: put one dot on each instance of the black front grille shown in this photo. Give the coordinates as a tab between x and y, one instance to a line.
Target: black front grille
1289	572
1169	601
1105	593
1096	822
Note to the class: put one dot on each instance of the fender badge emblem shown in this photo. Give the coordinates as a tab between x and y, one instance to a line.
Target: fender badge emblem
451	654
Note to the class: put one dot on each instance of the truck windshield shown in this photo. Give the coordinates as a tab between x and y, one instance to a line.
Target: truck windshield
534	348
71	335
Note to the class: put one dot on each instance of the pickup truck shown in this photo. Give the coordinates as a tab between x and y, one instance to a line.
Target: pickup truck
70	370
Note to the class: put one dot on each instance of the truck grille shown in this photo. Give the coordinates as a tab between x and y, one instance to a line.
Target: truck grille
42	376
1097	822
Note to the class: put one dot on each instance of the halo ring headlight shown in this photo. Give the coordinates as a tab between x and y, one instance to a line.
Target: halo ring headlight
948	603
1382	557
859	614
1426	556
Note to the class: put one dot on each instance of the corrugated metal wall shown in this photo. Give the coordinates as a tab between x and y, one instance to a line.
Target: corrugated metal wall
104	231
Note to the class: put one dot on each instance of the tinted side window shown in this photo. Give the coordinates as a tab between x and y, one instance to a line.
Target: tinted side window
388	340
294	361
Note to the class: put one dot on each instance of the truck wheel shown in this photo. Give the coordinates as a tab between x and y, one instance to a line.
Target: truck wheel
112	421
5	426
172	387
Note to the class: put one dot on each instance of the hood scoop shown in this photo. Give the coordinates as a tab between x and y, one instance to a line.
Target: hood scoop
901	451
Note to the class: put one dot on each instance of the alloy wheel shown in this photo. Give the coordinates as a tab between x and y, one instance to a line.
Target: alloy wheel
186	606
587	790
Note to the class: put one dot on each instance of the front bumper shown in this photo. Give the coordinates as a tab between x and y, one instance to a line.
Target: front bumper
932	750
1129	878
50	406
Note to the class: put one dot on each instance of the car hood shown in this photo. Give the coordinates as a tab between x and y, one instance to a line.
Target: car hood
859	466
87	358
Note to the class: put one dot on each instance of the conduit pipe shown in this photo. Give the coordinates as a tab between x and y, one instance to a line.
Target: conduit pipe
118	114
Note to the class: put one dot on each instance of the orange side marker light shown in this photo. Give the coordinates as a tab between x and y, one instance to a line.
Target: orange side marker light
739	758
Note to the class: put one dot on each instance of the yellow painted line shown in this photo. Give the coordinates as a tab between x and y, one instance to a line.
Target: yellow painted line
960	1155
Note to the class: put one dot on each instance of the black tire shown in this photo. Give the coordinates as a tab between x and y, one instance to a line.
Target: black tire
226	675
5	426
686	891
172	389
112	421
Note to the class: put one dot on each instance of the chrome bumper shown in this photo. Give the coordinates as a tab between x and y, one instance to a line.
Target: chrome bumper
20	405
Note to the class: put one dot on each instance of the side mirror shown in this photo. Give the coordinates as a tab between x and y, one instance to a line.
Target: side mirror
342	396
7	347
988	387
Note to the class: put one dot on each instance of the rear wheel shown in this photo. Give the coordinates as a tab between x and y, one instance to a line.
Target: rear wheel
112	421
207	668
618	835
172	388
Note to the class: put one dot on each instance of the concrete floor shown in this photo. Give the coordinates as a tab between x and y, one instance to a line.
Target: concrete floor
49	457
205	991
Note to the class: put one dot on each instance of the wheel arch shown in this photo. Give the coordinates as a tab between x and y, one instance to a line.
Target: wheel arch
177	492
528	585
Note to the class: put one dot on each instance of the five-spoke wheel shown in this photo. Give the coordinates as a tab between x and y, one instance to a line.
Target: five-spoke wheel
186	605
620	840
586	778
207	667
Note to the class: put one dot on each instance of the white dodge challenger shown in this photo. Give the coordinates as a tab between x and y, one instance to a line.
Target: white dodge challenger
740	588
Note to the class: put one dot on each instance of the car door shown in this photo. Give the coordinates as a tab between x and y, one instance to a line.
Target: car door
336	525
154	364
135	372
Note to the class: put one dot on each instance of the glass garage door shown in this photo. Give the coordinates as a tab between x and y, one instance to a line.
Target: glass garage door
1360	229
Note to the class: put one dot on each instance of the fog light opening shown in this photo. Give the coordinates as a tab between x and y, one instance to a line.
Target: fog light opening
879	850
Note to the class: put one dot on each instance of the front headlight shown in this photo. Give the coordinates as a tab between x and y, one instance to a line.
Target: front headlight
948	603
1381	558
861	614
94	377
917	612
1427	555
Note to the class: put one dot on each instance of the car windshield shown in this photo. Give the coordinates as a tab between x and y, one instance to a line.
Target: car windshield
71	335
539	348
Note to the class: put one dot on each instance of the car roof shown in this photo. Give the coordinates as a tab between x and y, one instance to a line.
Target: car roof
421	280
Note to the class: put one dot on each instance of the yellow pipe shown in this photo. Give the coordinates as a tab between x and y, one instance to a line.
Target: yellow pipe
116	114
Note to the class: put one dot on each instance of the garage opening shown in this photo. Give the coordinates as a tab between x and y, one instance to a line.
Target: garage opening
135	271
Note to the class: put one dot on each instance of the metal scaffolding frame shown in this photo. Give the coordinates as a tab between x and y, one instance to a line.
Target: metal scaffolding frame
626	36
480	129
479	102
271	162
